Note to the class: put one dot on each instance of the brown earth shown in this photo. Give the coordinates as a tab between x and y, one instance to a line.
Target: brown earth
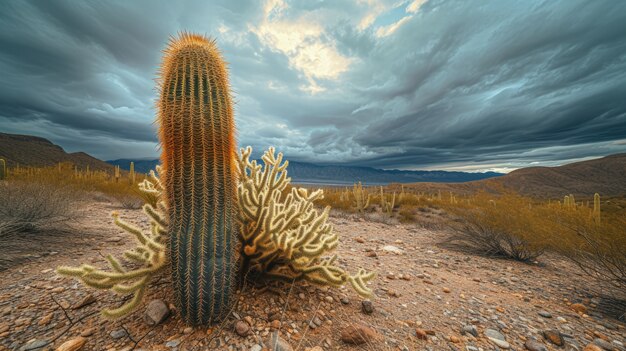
426	294
28	150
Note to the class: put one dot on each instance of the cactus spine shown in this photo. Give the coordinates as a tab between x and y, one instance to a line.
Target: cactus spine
197	135
361	198
596	207
3	169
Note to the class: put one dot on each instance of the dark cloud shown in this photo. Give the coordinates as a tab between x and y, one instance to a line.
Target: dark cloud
496	85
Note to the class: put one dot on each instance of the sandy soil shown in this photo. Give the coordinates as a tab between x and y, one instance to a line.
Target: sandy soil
426	295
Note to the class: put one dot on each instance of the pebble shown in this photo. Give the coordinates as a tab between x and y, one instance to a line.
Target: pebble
34	344
118	334
358	334
88	300
367	307
553	336
242	328
156	312
534	345
469	329
592	347
256	347
72	344
545	314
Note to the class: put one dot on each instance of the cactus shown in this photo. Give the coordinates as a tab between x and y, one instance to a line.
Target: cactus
284	237
361	198
117	174
197	135
387	206
3	169
132	173
566	202
150	253
596	207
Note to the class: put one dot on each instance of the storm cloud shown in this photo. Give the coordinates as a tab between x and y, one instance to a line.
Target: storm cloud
416	84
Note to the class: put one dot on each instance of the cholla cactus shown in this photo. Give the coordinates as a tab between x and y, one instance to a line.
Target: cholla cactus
361	198
149	253
132	173
3	169
285	237
387	206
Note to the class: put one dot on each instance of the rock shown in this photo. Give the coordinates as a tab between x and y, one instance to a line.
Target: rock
34	345
87	332
421	334
275	324
242	328
534	345
446	290
276	343
256	347
500	343
188	330
545	314
344	300
592	347
367	307
72	344
454	339
371	254
553	336
469	329
393	249
329	299
603	344
494	334
359	240
46	319
88	300
156	312
579	308
172	343
118	334
358	334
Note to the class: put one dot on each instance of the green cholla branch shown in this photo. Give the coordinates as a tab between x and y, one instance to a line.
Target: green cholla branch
284	236
149	253
361	198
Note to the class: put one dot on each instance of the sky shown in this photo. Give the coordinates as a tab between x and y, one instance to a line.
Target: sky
489	85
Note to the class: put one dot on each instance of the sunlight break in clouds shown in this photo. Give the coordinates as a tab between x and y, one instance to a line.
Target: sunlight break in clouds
301	40
411	10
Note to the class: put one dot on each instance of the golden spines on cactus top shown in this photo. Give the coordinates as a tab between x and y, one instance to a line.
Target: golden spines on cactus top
196	131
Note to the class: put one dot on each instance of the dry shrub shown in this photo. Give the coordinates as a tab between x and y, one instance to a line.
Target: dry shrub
597	246
33	206
506	226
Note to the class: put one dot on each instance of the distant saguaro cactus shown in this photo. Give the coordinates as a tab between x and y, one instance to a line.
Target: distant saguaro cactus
3	169
132	173
361	198
197	135
596	207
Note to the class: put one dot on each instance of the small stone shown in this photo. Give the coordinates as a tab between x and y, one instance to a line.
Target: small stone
603	344
545	314
592	347
256	347
446	290
188	330
172	343
534	345
344	300
72	344
34	345
359	240
579	308
118	334
494	334
367	307
371	254
276	343
421	334
46	319
242	328
454	339
275	324
393	249
469	329
553	336
88	300
358	334
156	312
500	343
87	332
329	299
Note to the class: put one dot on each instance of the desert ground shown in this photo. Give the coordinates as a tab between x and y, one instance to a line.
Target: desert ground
429	296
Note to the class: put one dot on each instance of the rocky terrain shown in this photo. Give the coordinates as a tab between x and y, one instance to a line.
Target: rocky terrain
427	298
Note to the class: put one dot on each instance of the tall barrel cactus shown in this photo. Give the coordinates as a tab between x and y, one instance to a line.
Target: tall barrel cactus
197	135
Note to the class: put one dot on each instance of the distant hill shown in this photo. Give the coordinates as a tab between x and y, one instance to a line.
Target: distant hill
606	176
39	152
308	173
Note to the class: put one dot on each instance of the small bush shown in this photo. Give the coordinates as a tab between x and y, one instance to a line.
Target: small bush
32	206
506	226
